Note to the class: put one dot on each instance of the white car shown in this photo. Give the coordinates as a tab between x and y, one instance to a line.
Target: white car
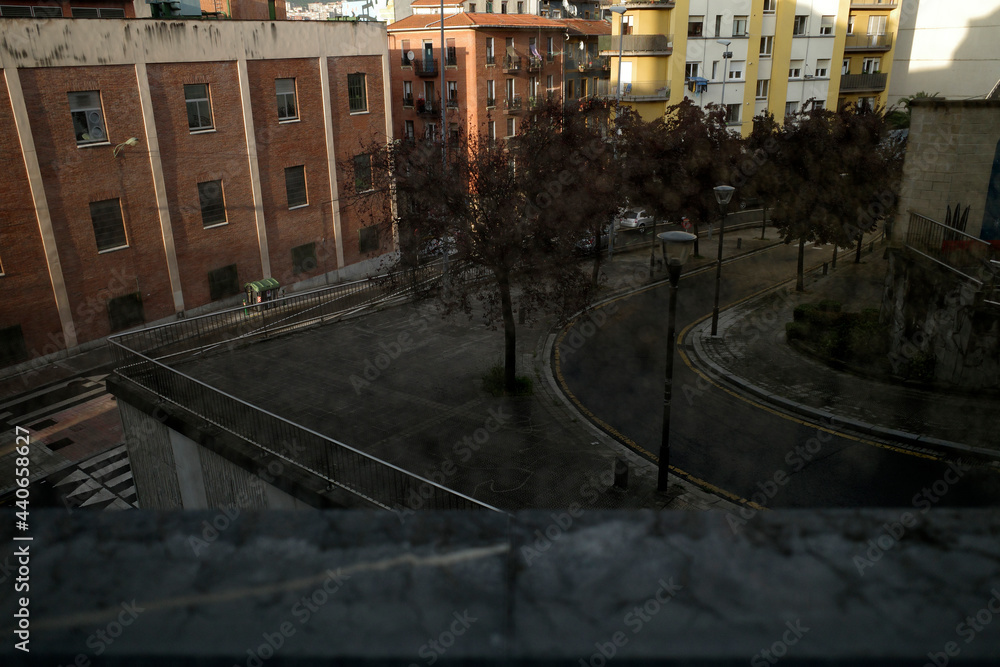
636	218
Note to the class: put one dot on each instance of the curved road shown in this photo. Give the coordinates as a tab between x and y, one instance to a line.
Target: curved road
719	439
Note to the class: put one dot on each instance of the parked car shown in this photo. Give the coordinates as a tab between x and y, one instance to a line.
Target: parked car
636	218
750	202
588	245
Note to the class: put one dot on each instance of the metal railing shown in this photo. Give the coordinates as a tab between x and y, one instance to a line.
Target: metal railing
650	4
535	64
511	64
635	91
861	82
512	103
491	59
873	4
407	100
963	253
426	67
863	42
426	106
663	44
139	359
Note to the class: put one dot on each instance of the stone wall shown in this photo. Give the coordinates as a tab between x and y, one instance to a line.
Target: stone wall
940	324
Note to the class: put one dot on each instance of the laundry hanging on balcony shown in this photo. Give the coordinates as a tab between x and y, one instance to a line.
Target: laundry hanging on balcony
534	52
511	52
697	84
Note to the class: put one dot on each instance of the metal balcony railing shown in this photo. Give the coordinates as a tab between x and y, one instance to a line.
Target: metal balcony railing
452	102
862	42
491	102
406	62
451	59
535	64
636	44
491	59
512	64
964	254
850	83
512	104
427	106
407	100
649	4
873	4
426	67
141	359
635	91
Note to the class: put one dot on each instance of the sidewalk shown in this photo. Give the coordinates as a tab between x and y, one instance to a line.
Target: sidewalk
751	353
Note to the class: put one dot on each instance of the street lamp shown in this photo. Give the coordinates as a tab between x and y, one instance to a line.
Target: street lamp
676	250
723	193
620	10
726	55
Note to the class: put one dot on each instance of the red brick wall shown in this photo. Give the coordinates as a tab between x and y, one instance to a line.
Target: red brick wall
189	159
351	132
256	10
288	144
74	177
27	291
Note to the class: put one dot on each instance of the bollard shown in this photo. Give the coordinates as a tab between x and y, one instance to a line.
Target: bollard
621	474
739	243
521	314
825	267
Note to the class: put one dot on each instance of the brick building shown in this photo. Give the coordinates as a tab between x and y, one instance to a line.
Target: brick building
497	67
156	166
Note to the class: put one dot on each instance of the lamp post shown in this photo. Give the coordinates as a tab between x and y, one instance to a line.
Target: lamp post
726	55
620	10
723	193
676	250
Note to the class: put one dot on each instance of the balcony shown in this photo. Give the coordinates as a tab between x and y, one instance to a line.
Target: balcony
535	64
427	107
513	64
636	91
452	102
536	102
649	4
873	4
426	67
407	100
637	45
512	104
862	42
491	60
856	83
585	62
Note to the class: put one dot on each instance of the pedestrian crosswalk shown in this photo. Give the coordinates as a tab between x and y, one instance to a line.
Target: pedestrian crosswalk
103	482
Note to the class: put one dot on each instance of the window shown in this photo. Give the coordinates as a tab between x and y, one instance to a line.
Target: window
795	69
510	89
15	11
490	58
109	229
126	311
763	85
405	53
739	26
801	22
503	7
408	130
430	131
92	12
715	70
769	6
850	24
407	93
551	52
453	93
866	103
368	239
766	46
691	70
223	282
12	347
491	94
453	133
876	25
520	8
570	93
285	91
736	69
822	69
493	131
304	258
870	65
583	87
818	105
718	25
510	127
548	85
846	67
88	118
696	25
451	55
489	7
790	108
472	7
732	114
295	186
213	204
199	107
627	24
362	172
826	25
357	93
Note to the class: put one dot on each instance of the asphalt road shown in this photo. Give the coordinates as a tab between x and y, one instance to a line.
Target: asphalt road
727	441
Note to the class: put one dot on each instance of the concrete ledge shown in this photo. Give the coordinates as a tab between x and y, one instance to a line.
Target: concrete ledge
871	587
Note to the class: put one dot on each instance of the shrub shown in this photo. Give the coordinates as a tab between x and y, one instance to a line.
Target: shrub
829	306
493	383
796	331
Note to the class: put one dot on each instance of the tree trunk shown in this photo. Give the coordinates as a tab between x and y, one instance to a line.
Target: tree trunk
509	335
763	225
861	238
800	283
696	253
597	264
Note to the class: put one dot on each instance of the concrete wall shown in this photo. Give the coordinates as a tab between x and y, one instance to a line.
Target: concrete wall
949	157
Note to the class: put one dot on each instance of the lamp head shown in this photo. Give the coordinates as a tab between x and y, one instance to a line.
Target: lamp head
723	194
724	42
618	9
676	246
